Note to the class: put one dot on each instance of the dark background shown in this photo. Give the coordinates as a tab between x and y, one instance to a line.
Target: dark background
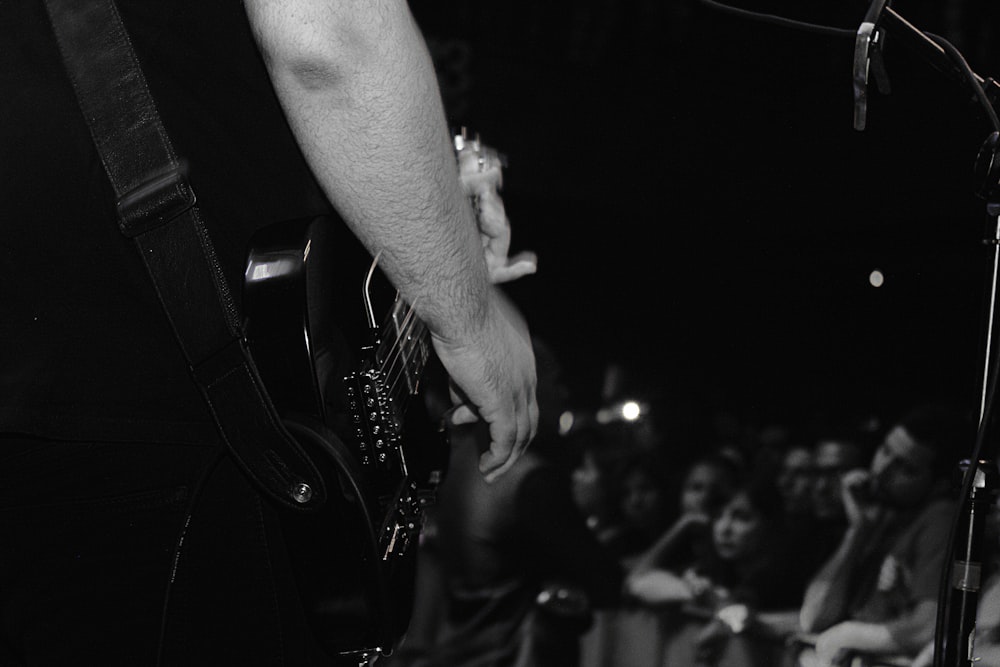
706	216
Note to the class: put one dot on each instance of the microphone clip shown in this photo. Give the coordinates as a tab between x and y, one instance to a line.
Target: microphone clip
868	61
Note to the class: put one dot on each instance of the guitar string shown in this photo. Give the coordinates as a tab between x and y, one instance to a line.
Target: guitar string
396	352
397	357
401	361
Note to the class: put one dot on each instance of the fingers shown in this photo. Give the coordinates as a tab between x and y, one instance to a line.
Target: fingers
479	171
492	216
464	414
475	182
509	437
494	379
506	447
523	264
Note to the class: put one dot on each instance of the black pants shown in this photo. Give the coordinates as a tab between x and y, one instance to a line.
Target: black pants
140	554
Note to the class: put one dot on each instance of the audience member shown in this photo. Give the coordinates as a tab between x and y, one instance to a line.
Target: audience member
519	570
593	485
633	634
794	478
816	534
877	594
747	571
708	484
644	497
831	459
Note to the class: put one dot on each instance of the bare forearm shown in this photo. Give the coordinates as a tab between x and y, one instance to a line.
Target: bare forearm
654	554
360	93
825	600
871	638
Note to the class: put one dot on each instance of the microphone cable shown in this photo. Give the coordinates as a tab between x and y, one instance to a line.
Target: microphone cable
949	49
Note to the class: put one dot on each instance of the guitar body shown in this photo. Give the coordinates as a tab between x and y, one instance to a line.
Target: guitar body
343	393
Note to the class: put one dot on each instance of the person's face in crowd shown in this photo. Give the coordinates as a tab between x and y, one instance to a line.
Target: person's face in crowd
641	500
588	489
738	532
902	469
830	461
794	480
703	486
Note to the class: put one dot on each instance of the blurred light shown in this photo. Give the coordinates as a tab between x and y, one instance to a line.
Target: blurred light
566	420
876	278
628	411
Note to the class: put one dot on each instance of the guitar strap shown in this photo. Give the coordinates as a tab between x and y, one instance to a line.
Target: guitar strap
158	210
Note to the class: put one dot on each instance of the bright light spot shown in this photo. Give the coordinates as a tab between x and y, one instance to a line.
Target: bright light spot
876	278
565	422
273	268
631	411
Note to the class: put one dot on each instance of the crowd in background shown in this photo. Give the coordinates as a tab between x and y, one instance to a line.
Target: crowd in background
726	538
721	545
771	545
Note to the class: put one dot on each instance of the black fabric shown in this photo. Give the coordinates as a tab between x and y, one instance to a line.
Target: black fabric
93	569
489	551
86	352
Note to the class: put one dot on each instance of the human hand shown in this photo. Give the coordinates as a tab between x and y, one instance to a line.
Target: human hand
711	641
892	574
857	493
926	656
480	173
836	645
700	586
492	371
830	648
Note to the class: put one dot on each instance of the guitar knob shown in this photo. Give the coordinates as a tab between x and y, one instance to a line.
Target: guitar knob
302	493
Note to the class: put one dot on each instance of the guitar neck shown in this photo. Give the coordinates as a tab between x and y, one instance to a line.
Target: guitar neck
403	352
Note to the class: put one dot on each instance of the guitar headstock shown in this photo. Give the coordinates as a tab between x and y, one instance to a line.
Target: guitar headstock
480	171
475	157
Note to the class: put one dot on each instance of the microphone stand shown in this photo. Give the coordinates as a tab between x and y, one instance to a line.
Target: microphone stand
961	578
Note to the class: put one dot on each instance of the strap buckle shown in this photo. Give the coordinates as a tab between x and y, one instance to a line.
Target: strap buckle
155	201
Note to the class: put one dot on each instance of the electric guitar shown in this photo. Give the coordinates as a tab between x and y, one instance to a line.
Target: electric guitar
351	391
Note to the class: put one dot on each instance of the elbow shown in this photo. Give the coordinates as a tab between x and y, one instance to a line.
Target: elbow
317	54
311	72
807	622
809	619
309	68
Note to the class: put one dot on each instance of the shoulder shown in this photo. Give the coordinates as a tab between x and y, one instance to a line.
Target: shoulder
938	512
927	530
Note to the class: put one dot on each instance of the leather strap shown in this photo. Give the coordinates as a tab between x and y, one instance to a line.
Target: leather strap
158	210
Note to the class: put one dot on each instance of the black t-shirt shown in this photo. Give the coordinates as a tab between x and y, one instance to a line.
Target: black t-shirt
85	350
497	545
